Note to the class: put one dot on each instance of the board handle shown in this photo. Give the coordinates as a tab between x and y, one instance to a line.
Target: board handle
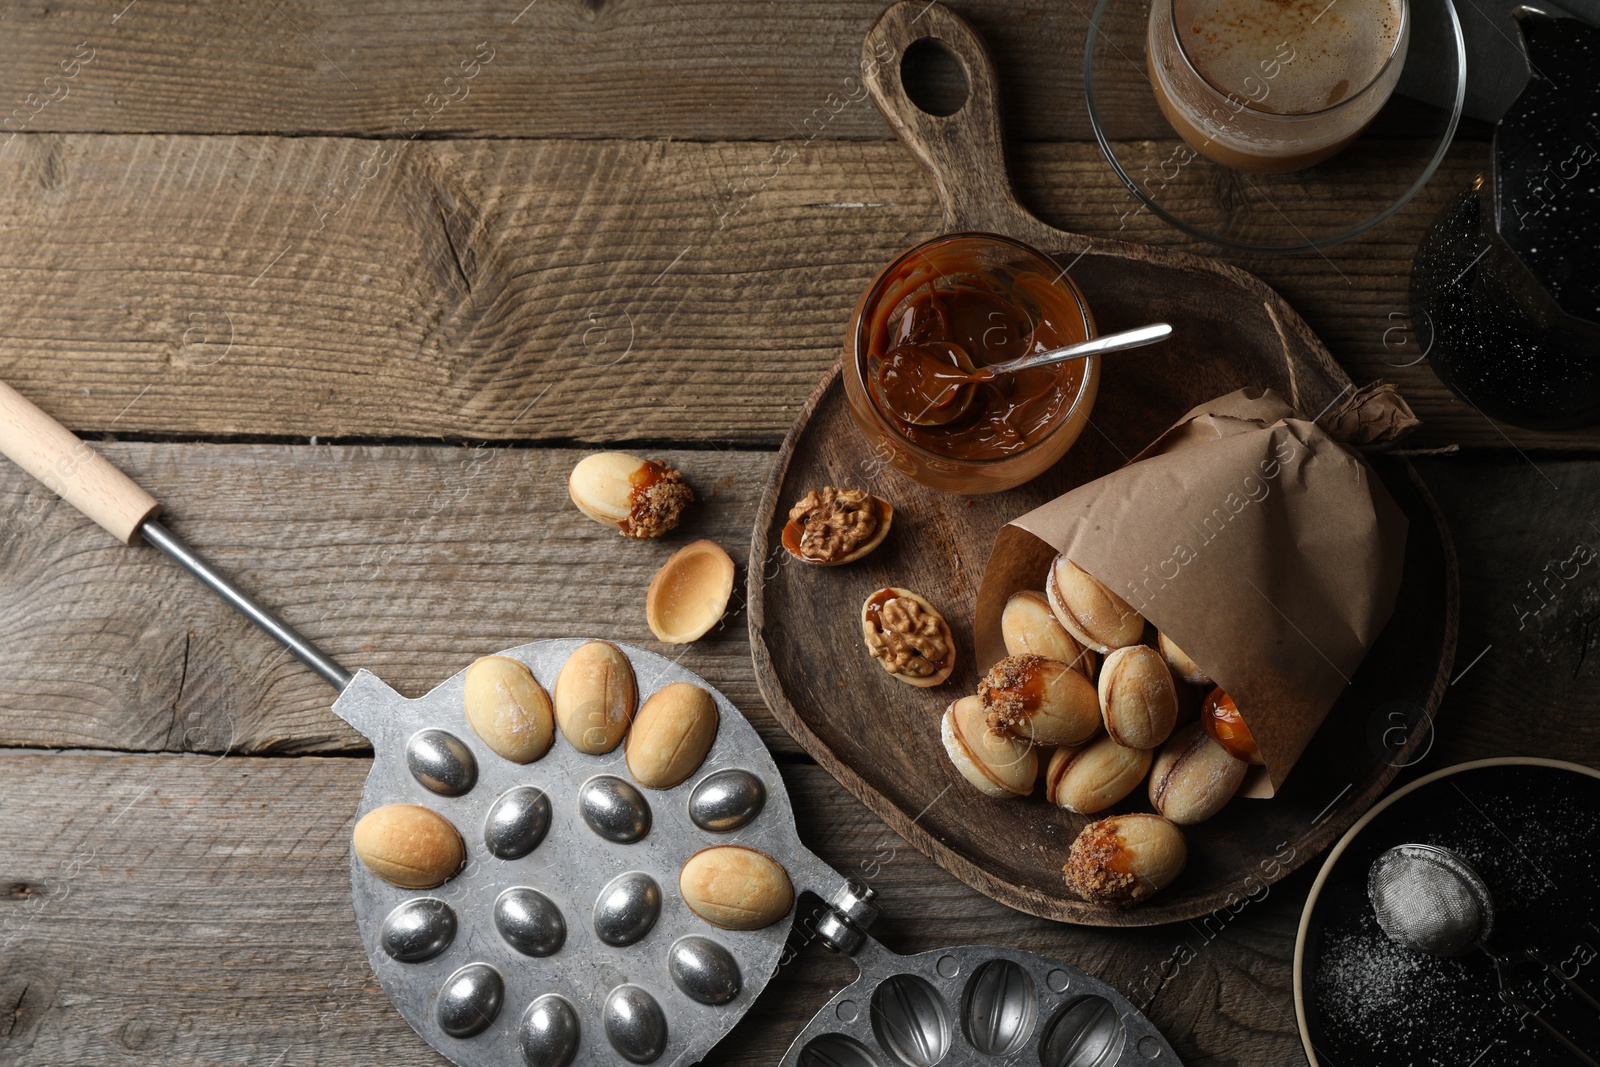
964	150
68	467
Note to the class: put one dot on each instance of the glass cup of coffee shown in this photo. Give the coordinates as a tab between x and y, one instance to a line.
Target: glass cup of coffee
1274	85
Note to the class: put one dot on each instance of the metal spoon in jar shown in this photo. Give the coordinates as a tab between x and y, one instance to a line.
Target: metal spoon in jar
932	381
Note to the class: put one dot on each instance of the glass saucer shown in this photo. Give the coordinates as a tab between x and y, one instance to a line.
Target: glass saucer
1303	210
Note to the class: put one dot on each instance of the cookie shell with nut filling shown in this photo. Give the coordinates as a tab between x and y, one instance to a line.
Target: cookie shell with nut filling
997	765
1193	777
1125	859
1090	612
1092	777
831	526
1040	700
1137	697
1028	625
908	636
641	498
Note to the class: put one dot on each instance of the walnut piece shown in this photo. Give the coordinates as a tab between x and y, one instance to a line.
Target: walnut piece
834	522
907	638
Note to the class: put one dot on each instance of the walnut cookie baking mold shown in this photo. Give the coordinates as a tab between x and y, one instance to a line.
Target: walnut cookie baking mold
498	962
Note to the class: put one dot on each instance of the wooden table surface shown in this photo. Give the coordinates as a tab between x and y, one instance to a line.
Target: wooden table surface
351	287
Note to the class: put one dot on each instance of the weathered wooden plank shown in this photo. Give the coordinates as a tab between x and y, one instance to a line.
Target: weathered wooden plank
1527	668
184	910
411	561
408	561
549	290
555	68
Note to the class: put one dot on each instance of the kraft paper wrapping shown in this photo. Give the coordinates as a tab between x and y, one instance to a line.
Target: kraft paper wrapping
1270	552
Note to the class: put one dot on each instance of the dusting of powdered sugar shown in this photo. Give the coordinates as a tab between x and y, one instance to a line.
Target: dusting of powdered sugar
1383	1004
1408	1008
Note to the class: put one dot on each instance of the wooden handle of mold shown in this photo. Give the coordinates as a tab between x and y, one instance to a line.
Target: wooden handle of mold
68	467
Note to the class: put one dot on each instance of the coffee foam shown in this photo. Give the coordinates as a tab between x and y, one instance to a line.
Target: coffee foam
1303	55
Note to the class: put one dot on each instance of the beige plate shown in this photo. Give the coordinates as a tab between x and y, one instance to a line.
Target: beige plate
1354	832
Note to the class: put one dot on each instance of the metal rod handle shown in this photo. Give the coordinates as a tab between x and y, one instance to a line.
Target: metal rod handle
302	647
83	478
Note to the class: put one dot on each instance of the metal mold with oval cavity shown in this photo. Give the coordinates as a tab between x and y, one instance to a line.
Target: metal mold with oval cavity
704	970
627	908
549	1032
418	930
469	1000
635	1024
969	1003
1086	1033
910	1020
441	763
836	1050
516	823
614	809
529	921
999	1008
726	801
571	865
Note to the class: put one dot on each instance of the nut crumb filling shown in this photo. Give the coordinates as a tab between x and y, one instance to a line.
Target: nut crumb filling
657	505
1004	691
1091	868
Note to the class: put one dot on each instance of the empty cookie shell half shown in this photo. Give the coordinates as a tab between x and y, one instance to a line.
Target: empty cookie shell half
689	593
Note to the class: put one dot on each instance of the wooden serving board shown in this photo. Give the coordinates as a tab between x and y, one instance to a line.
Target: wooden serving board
880	737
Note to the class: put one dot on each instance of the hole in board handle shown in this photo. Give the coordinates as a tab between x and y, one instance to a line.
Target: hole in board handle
934	77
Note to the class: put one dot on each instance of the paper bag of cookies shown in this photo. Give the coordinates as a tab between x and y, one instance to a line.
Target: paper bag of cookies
1265	553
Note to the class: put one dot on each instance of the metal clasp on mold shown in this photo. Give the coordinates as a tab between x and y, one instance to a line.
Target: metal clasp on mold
851	914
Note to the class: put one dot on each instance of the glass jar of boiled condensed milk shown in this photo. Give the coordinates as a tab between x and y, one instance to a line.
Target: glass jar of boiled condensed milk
1274	85
943	309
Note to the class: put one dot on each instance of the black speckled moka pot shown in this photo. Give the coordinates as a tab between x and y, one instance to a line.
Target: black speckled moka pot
1505	289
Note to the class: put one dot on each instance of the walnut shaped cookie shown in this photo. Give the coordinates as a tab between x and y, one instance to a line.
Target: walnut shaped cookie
908	636
830	526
